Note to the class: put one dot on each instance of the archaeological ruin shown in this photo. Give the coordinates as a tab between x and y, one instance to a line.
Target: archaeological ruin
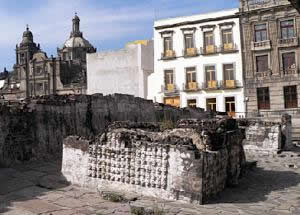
122	143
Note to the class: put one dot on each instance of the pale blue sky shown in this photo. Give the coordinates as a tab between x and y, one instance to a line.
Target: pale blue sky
106	24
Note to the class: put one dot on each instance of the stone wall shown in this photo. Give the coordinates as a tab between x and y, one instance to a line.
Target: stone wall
35	129
173	164
266	136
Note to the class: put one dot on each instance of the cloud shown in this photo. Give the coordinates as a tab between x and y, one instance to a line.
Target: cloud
103	22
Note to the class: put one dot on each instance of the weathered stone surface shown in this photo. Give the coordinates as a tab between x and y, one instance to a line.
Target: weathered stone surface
35	129
175	164
266	136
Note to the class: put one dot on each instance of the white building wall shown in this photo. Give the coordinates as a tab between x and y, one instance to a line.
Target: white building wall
124	71
156	80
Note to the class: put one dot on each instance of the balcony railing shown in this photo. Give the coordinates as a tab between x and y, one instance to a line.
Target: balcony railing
263	74
168	54
190	52
210	85
289	71
228	48
170	89
228	84
288	42
191	87
261	45
207	50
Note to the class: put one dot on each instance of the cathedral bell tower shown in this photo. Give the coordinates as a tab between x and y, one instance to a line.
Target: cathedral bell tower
76	27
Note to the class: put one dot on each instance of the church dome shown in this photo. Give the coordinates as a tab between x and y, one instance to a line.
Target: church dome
27	33
75	42
27	36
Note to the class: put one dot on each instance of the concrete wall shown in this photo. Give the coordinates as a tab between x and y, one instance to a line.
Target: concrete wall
124	71
179	63
36	129
159	164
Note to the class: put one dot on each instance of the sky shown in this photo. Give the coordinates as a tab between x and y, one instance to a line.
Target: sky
107	24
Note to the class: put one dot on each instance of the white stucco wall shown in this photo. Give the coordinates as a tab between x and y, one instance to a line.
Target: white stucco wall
156	80
124	71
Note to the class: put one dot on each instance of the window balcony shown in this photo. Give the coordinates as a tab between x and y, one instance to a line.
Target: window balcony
289	71
191	87
208	50
170	89
190	52
168	55
288	42
229	84
211	85
228	48
264	74
261	45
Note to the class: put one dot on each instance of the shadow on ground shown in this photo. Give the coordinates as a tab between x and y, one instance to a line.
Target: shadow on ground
256	185
25	184
39	188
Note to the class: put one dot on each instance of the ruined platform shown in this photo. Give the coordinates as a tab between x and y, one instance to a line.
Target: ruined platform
192	162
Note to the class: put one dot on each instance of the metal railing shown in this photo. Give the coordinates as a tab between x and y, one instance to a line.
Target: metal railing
227	48
191	87
207	50
190	52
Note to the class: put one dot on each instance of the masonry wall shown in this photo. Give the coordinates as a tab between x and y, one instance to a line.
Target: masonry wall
266	136
165	164
36	129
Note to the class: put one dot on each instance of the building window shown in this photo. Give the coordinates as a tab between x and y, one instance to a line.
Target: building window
210	74
230	106
168	44
262	63
260	32
287	29
46	88
169	80
189	41
209	42
39	70
211	104
288	61
192	103
228	72
39	87
227	39
263	98
22	58
173	101
191	79
290	97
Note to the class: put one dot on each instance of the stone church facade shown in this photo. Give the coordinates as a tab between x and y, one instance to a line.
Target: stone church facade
36	74
270	31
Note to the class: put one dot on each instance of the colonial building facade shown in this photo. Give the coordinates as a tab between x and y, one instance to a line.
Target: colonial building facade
270	32
37	74
198	62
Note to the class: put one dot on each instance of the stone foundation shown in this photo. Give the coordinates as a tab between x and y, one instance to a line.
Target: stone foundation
174	164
